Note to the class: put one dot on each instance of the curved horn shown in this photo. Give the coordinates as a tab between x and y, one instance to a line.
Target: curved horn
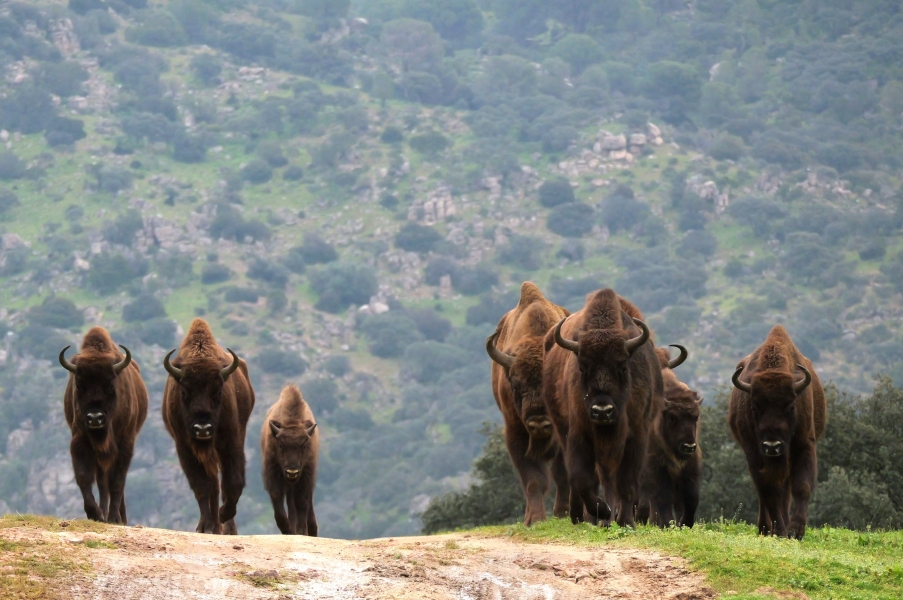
66	364
566	344
673	364
224	373
175	372
743	387
799	387
506	360
634	343
122	364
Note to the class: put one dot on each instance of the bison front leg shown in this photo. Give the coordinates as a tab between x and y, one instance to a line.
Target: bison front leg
628	478
534	478
205	488
233	473
85	467
103	492
312	529
803	472
277	497
562	489
116	479
584	484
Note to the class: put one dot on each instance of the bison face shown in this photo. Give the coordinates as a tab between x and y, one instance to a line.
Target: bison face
603	357
679	423
524	373
772	407
292	447
95	389
200	387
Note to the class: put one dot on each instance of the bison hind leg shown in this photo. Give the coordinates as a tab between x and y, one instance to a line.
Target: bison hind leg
230	528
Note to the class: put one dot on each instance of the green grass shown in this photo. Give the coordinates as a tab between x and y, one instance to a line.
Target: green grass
828	564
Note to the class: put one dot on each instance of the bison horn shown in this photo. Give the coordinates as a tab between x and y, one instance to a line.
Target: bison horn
506	360
66	364
174	371
310	430
566	344
673	364
634	343
740	385
807	379
122	364
224	373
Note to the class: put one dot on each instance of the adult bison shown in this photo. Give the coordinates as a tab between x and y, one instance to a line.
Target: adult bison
290	444
206	405
105	405
777	413
516	349
672	475
601	385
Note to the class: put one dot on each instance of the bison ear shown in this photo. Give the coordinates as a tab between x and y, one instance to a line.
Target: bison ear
276	428
310	428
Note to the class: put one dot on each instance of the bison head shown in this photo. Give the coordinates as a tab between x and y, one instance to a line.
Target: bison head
524	373
200	389
95	389
603	357
292	447
772	403
679	424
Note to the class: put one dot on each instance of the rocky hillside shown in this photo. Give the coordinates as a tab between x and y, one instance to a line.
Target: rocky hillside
352	195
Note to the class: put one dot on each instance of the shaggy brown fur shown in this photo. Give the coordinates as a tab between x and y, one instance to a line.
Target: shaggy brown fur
202	397
602	378
104	454
774	414
672	475
290	445
518	393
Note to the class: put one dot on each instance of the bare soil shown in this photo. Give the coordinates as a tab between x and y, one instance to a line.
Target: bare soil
125	563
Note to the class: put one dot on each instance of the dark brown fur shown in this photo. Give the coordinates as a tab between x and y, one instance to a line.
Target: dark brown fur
672	476
518	393
104	454
285	444
602	372
773	412
202	396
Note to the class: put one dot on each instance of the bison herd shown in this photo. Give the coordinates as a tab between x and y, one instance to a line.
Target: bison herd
589	396
586	396
207	402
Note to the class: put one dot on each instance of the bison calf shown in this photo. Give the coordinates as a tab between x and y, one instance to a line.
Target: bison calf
105	405
777	413
289	444
207	402
672	474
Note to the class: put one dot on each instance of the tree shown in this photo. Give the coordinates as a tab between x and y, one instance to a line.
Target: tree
206	67
280	362
578	50
555	192
430	143
413	45
389	333
60	313
574	219
621	209
340	284
494	498
414	237
505	77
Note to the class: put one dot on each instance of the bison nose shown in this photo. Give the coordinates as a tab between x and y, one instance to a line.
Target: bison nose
539	429
602	414
688	448
773	448
96	420
292	474
203	432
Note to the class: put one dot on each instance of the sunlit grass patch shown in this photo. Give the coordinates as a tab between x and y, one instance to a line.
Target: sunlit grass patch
829	563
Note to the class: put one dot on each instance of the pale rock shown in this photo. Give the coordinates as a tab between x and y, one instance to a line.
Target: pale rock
80	264
657	141
654	131
17	438
597	147
638	139
9	241
614	143
4	135
618	154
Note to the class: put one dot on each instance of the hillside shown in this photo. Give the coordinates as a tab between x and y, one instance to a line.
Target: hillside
352	193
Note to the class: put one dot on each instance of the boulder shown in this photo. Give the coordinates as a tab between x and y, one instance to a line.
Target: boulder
614	142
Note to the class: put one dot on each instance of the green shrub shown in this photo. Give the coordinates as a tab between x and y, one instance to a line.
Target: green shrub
206	67
271	272
621	210
340	284
280	362
8	201
271	152
727	147
429	324
110	272
391	135
425	362
555	192
574	219
348	419
215	273
475	280
337	365
41	341
11	167
123	229
60	313
239	294
159	29
414	237
390	333
430	143
144	307
176	270
322	394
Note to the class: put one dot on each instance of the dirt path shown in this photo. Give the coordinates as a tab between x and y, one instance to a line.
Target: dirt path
131	563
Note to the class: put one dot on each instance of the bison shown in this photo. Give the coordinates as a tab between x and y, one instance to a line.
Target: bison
601	391
516	349
289	446
206	405
672	475
777	413
105	405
